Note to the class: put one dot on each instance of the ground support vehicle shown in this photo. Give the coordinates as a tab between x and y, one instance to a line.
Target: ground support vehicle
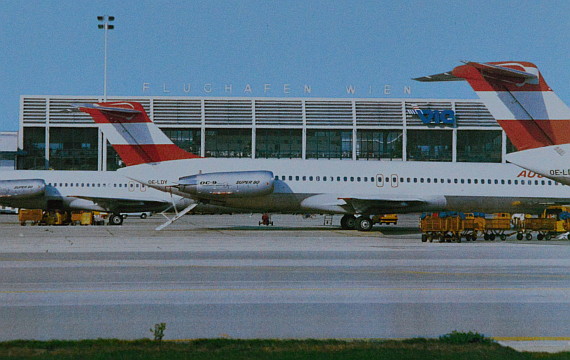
553	221
443	227
35	216
386	219
473	225
266	220
41	217
497	226
545	227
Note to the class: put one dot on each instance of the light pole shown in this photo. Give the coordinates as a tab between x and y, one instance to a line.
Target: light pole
105	25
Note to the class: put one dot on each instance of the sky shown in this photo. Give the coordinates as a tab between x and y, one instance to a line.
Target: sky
269	48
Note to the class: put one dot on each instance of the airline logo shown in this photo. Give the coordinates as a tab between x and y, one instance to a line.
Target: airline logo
444	117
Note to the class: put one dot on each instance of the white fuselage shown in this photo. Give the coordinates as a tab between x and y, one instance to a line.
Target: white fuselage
87	190
347	186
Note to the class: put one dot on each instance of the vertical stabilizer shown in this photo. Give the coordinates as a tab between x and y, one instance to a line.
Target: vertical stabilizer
136	139
517	96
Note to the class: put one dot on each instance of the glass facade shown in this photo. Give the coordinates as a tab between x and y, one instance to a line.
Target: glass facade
228	143
379	144
329	144
186	139
479	146
279	143
33	156
73	148
114	161
429	145
362	129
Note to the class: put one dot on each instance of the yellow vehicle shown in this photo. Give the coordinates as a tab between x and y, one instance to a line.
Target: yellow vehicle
444	227
386	219
35	216
553	220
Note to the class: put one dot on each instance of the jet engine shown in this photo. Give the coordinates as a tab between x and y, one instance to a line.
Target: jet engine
234	184
22	189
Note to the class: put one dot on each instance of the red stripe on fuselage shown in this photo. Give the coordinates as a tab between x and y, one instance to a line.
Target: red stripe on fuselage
142	154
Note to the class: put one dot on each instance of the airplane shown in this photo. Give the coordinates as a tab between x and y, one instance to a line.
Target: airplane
82	190
534	118
355	189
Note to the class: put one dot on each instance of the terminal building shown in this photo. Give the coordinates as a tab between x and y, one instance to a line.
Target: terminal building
51	137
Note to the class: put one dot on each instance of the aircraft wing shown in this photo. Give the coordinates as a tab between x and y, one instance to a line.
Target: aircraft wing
118	205
379	205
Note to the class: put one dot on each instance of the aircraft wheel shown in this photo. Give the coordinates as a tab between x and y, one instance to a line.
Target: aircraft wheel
363	223
115	219
529	236
143	216
424	238
539	236
519	236
348	222
486	237
548	236
503	237
492	237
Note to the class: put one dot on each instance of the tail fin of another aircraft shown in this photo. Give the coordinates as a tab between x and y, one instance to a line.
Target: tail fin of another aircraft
136	139
517	96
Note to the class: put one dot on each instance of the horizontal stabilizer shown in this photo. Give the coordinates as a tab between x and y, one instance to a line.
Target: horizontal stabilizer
118	110
504	73
446	76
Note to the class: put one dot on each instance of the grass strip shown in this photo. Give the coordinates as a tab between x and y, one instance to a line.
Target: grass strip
221	349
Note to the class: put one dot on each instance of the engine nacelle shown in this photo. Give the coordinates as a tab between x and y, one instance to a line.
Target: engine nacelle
22	189
235	184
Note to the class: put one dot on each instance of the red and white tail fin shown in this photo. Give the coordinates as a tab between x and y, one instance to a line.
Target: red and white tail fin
517	96
136	139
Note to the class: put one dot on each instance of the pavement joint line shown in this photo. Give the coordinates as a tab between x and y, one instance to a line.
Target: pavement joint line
7	292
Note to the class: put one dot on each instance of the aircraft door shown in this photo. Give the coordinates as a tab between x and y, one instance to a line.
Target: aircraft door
379	180
394	181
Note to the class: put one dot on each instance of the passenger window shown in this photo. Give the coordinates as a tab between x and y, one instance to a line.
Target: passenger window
408	180
318	178
415	180
549	182
70	184
324	178
310	178
304	178
496	182
542	182
535	182
509	182
87	184
516	182
371	179
290	178
428	180
421	180
358	179
352	178
401	180
296	178
345	178
469	181
475	181
463	181
338	178
455	181
365	179
82	184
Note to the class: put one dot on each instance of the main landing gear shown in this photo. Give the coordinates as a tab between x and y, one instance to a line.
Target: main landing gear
115	219
361	223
